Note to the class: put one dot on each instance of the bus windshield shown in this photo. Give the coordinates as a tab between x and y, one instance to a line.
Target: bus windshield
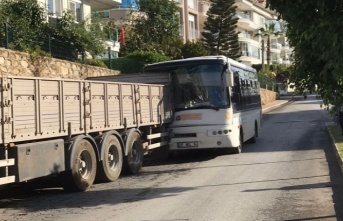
199	86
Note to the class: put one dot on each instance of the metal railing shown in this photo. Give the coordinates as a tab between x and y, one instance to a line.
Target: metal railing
56	48
267	82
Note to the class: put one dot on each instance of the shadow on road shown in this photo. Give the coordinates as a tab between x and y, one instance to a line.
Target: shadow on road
92	198
160	156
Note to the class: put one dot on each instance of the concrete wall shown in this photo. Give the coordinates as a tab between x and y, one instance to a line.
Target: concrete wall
14	63
268	96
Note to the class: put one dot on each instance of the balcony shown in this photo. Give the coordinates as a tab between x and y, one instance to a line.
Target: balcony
244	4
245	23
98	5
285	47
246	58
122	16
275	48
286	60
246	37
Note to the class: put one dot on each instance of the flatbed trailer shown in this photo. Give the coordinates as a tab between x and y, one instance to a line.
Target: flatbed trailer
78	129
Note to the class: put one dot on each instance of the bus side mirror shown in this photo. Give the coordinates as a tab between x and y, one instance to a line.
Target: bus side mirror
229	79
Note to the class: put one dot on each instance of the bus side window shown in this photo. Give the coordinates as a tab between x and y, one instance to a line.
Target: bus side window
237	93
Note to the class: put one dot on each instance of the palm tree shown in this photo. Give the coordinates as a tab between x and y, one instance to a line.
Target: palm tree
267	32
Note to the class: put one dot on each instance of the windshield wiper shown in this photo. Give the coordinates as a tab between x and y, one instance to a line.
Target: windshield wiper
199	107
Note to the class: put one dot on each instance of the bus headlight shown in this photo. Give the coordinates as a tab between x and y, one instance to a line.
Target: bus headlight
218	132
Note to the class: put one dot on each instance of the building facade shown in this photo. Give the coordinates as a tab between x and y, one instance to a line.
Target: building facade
252	15
81	11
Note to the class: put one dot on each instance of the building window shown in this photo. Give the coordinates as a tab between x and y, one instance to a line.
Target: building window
193	32
247	34
245	49
255	52
249	50
192	4
275	58
55	7
262	22
103	14
75	9
245	15
106	14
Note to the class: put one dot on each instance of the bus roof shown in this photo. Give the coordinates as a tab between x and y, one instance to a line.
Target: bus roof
198	60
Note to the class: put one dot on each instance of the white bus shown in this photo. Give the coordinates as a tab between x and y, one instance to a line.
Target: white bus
216	101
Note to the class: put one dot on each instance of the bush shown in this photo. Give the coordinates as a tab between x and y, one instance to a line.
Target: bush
135	62
125	65
96	62
147	57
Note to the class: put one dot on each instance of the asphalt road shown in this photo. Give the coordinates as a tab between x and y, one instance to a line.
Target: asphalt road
290	174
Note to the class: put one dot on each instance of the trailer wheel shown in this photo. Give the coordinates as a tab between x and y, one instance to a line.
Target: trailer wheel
111	165
83	171
134	160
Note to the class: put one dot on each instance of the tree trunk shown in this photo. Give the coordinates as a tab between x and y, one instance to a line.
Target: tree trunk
268	52
263	48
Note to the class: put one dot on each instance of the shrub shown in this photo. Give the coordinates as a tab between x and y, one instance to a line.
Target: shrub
96	62
125	65
147	57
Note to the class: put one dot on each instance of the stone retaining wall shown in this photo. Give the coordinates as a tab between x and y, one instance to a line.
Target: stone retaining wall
14	63
268	96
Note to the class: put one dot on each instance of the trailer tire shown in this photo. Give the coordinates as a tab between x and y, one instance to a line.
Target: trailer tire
83	171
134	160
112	160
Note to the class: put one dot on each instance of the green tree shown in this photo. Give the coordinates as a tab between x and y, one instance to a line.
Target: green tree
220	36
266	33
157	28
314	29
193	49
25	21
83	36
28	31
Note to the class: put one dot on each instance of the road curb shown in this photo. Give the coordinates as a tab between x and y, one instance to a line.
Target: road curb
270	108
339	159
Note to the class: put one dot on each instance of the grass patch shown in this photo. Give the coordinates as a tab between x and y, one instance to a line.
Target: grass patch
336	133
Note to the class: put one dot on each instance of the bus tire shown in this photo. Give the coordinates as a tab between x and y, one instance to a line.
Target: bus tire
82	174
112	160
254	138
134	160
238	149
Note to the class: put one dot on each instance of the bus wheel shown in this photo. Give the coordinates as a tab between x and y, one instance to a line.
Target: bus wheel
254	138
111	165
83	171
134	160
238	149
